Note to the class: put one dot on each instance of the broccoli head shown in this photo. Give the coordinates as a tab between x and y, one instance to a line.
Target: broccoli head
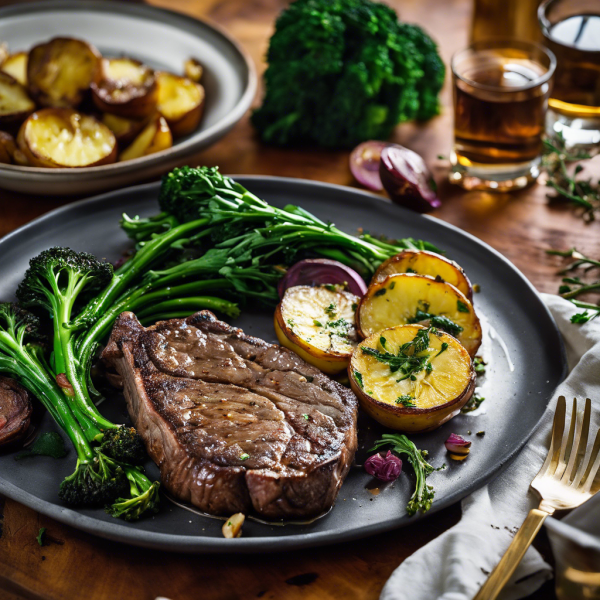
59	276
22	325
124	444
344	71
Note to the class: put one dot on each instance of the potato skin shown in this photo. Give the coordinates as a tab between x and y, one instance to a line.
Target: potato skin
8	147
133	101
41	80
37	159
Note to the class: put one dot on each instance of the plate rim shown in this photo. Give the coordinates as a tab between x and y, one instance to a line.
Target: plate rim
119	531
175	152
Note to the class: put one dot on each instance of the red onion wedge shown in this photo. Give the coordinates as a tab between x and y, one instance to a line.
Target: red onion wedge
458	446
364	164
407	179
384	468
321	271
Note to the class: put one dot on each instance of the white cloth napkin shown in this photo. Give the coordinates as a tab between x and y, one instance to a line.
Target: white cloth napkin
454	565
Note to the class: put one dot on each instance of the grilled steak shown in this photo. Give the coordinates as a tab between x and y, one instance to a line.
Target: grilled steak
234	423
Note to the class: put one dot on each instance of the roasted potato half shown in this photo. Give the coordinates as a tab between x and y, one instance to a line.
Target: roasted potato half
408	298
180	102
16	66
423	262
193	70
59	72
318	324
125	87
62	137
156	136
418	395
125	130
15	104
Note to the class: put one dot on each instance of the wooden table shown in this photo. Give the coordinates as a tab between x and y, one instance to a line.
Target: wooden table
520	226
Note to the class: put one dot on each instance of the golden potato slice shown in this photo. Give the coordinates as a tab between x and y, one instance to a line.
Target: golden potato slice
125	87
125	130
423	262
7	147
193	70
411	378
62	137
408	298
180	102
155	137
59	72
15	104
16	66
318	324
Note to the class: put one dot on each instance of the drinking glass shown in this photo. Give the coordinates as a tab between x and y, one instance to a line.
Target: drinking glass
501	92
571	29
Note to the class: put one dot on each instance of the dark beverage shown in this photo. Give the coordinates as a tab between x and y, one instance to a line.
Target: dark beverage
500	100
575	41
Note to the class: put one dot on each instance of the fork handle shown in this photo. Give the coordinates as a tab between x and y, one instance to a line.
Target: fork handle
513	555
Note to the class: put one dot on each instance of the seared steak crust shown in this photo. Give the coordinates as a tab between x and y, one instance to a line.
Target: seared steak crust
235	424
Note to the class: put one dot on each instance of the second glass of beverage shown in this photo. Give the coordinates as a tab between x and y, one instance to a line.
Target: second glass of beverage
501	92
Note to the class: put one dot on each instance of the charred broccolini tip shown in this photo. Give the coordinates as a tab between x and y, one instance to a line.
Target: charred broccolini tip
123	444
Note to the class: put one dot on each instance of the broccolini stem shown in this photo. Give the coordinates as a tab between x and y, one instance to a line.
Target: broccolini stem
191	305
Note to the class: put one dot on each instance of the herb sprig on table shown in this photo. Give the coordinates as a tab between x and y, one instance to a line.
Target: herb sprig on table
573	286
584	193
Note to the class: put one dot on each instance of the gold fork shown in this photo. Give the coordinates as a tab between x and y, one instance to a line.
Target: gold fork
564	482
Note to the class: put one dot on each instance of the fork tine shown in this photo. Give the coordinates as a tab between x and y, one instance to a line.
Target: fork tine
576	461
558	429
566	452
592	467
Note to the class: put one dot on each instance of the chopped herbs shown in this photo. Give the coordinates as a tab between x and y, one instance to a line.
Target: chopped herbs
383	342
305	416
473	404
291	323
317	323
409	270
462	307
244	456
479	365
47	444
331	287
406	400
380	292
442	349
423	494
40	536
354	306
331	310
441	322
392	285
359	379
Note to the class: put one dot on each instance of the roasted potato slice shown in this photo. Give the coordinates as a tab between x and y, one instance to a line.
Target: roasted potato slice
125	87
16	66
180	102
62	137
8	147
193	70
15	104
318	324
156	136
125	130
408	298
412	396
59	72
4	53
425	263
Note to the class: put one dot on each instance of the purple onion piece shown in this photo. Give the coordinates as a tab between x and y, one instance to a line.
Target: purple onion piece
385	468
364	164
407	179
457	444
320	271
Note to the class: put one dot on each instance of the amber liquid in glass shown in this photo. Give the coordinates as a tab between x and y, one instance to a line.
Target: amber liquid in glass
576	43
499	127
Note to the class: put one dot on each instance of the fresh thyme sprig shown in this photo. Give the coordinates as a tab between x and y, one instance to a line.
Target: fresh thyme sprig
572	287
581	192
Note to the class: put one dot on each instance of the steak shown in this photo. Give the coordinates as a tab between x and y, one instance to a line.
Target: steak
234	423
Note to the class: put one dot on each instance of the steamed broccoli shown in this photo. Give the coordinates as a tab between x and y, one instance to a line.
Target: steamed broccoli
344	71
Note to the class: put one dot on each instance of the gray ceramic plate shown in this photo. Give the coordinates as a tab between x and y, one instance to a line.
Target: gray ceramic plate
525	336
160	38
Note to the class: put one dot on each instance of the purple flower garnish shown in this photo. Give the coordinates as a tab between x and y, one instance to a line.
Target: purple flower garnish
385	468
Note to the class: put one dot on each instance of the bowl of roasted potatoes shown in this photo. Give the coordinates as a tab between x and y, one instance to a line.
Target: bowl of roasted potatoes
97	95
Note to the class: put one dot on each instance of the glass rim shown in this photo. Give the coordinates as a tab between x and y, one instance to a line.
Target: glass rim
546	26
508	43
